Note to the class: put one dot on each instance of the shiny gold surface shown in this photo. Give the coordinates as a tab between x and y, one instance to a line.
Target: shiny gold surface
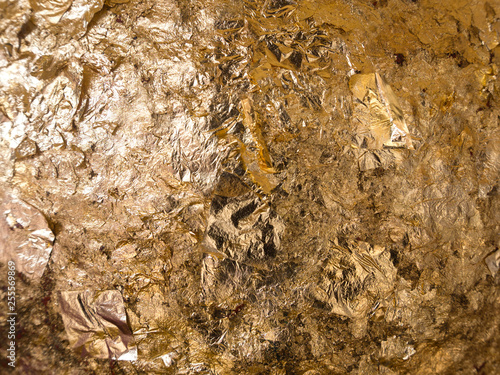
254	187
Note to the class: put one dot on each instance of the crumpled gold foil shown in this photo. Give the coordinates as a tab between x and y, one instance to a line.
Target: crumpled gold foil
96	324
385	119
350	279
25	236
257	186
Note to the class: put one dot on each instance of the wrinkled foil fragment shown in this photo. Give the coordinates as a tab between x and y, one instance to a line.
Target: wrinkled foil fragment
493	262
25	237
378	110
96	324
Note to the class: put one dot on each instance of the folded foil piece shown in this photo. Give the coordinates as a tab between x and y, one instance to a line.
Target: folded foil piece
377	109
96	324
493	262
25	237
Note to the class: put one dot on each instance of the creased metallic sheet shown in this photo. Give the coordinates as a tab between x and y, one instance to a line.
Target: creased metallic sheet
384	118
25	237
493	262
96	324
